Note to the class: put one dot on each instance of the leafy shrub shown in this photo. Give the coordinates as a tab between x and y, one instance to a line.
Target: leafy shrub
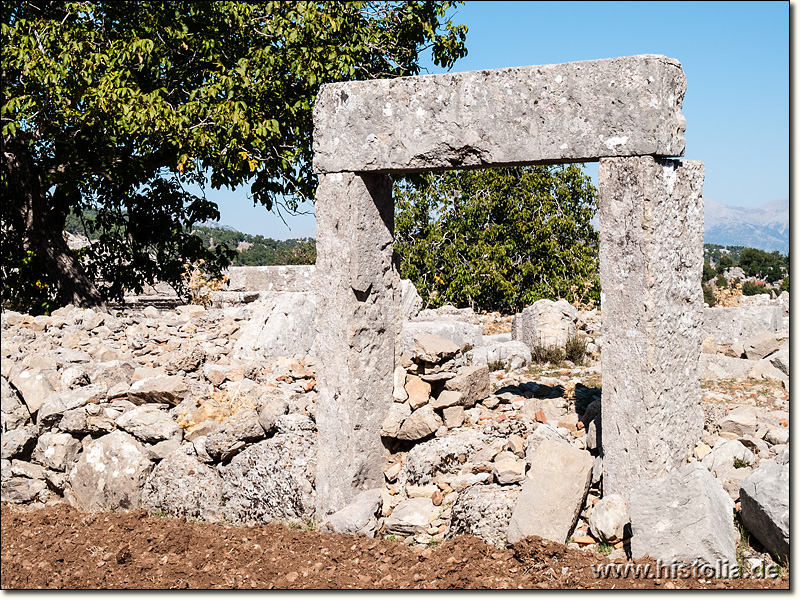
575	349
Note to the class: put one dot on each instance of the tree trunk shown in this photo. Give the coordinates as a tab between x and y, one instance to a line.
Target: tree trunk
39	227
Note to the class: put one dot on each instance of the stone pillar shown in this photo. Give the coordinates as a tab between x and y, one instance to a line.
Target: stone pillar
357	291
651	260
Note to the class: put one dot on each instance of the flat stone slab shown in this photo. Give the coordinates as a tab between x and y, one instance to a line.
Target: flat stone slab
552	494
684	517
569	112
764	495
730	324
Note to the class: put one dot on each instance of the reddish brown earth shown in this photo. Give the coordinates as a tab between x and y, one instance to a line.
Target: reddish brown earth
58	547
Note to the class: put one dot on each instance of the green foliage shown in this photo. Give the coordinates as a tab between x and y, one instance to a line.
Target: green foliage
740	463
785	284
708	295
751	289
725	262
498	239
575	349
709	272
766	265
722	281
116	107
604	548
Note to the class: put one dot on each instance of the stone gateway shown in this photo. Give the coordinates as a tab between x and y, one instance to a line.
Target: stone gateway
624	112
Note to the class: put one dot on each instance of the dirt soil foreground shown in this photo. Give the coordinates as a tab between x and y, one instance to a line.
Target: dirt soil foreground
60	548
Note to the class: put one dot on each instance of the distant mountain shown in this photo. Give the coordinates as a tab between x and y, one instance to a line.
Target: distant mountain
215	225
764	227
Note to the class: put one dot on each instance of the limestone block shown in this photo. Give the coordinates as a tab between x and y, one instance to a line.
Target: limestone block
410	301
432	348
765	506
271	480
780	359
552	494
110	473
719	366
411	516
447	398
394	419
651	258
18	441
233	433
421	423
512	353
357	325
557	113
545	323
19	490
458	332
56	450
608	518
282	325
169	389
356	516
472	382
419	392
453	416
284	278
738	323
429	459
760	345
484	511
684	517
33	385
13	411
182	486
53	408
150	424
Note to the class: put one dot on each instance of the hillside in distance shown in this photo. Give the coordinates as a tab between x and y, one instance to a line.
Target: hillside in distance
763	227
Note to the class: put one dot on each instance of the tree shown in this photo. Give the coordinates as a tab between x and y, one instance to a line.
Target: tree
118	106
498	239
725	262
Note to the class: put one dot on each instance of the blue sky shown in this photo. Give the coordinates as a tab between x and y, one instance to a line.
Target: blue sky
735	56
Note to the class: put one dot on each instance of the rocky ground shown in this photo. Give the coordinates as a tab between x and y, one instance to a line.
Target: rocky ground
58	547
169	412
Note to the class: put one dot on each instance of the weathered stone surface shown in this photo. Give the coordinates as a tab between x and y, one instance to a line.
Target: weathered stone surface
447	398
545	323
357	516
411	516
719	366
764	369
234	433
608	519
552	494
509	470
484	511
420	424
150	424
358	320
563	112
651	256
720	461
19	490
513	354
742	420
780	360
282	325
472	382
765	506
56	450
169	389
284	278
394	419
760	345
13	411
57	404
271	405
738	323
433	349
18	441
182	486
410	301
33	385
441	455
419	392
458	332
271	480
110	473
453	416
683	517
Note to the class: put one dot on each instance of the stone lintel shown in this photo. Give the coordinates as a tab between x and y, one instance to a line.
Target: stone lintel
358	325
570	112
651	259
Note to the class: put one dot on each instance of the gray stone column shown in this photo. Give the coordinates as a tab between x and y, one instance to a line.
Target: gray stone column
651	260
357	290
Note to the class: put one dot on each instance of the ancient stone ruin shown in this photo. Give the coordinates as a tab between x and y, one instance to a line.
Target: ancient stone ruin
624	112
